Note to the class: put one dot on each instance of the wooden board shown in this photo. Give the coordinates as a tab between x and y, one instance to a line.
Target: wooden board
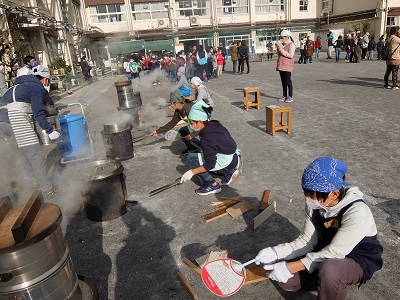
5	207
226	203
25	219
255	274
187	285
214	215
265	214
264	201
191	265
239	209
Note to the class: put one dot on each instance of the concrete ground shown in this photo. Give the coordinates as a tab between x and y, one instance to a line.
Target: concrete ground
340	110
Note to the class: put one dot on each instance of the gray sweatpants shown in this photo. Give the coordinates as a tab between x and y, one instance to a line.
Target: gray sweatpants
331	280
32	155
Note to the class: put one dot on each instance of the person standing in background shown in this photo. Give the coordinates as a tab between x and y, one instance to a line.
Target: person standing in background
234	56
329	39
202	63
338	47
393	62
29	62
347	46
371	48
220	63
270	49
302	50
318	46
364	45
223	52
86	70
286	50
244	57
309	50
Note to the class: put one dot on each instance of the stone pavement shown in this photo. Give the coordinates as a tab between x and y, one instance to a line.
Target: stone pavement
339	109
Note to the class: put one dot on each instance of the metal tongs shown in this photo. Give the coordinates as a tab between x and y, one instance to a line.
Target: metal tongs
165	187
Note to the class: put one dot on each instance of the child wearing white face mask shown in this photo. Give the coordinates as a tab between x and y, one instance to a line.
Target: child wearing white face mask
338	247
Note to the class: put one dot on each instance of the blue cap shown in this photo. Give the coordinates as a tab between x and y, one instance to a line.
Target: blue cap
197	112
324	174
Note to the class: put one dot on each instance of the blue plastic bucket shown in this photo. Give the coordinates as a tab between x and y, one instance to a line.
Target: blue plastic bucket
75	143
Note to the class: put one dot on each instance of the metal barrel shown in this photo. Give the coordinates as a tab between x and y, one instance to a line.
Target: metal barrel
127	98
105	192
118	144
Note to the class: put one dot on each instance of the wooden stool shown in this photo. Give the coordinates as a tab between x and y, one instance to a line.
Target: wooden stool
273	124
256	92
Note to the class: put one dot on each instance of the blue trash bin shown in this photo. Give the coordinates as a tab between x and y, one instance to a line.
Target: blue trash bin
75	143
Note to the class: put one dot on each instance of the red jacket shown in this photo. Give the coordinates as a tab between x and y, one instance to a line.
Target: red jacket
220	59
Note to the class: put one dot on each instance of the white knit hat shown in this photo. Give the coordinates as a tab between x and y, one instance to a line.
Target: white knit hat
286	32
196	80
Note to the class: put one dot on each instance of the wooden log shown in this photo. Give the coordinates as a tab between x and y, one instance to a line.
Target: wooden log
192	266
187	285
25	219
264	201
5	207
255	274
226	204
214	215
265	214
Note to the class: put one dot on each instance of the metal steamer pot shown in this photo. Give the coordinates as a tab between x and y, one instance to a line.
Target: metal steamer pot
39	266
127	98
118	141
44	139
105	192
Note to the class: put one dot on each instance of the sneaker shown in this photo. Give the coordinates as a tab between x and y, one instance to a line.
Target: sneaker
395	87
229	178
288	99
282	99
388	87
208	189
51	192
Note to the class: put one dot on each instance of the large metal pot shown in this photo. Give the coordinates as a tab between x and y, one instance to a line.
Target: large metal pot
127	98
105	192
118	141
42	134
38	266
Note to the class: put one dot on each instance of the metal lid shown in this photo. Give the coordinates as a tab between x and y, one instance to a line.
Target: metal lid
112	128
101	169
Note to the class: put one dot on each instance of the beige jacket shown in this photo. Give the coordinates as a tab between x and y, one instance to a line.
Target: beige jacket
394	51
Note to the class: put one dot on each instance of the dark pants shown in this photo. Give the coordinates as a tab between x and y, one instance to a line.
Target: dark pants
331	280
364	52
394	69
302	56
286	79
241	64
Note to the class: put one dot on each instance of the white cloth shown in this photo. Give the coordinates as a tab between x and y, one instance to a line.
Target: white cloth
357	223
23	71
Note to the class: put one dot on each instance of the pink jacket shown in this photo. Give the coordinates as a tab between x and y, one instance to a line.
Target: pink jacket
286	58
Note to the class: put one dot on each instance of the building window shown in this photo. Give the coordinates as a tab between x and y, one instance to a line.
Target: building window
232	7
193	7
109	13
391	21
327	6
303	5
77	14
150	11
269	6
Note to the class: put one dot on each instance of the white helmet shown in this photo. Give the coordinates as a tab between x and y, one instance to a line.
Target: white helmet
40	70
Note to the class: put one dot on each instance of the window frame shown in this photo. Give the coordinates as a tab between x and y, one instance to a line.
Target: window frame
303	5
150	10
273	7
119	15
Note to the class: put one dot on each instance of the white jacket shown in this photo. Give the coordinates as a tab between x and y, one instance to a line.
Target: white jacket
357	223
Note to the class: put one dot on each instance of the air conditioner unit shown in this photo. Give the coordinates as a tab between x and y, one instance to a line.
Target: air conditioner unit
161	23
194	20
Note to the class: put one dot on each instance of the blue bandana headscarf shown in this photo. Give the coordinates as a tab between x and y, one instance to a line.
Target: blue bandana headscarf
324	174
